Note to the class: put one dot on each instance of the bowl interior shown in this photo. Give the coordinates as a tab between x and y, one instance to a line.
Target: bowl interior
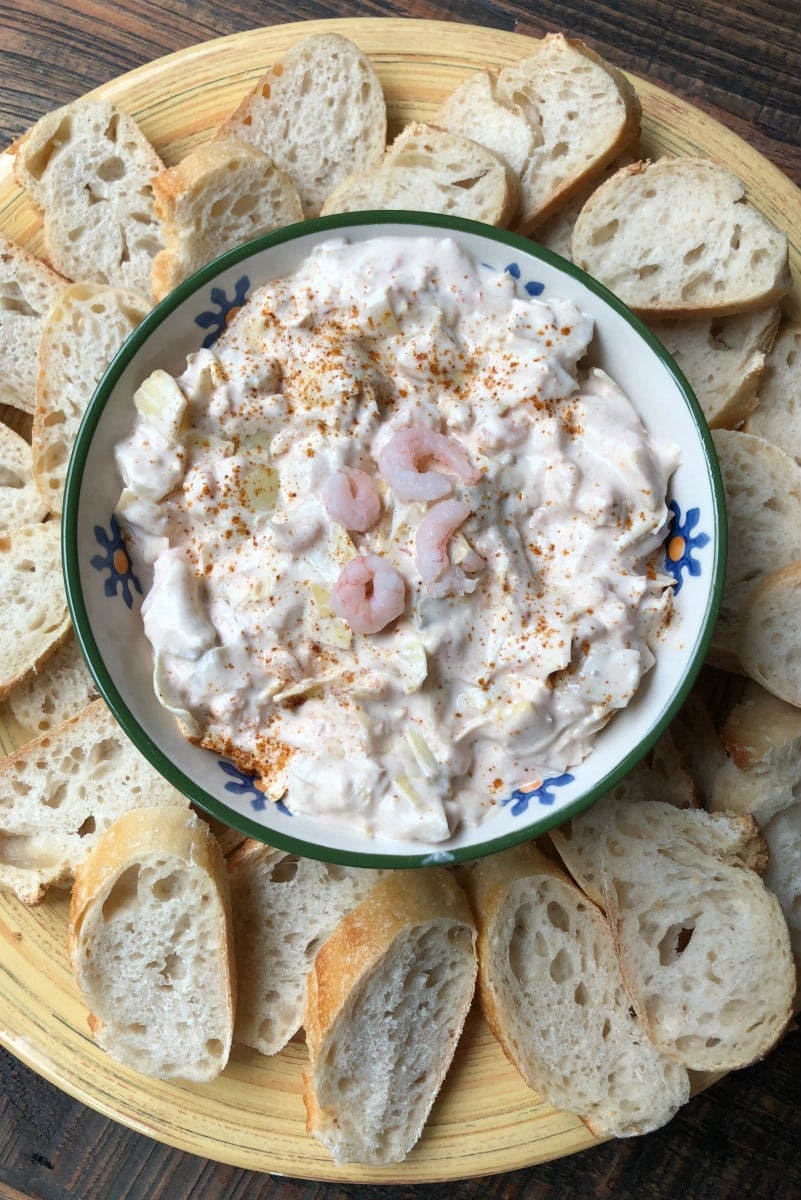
105	589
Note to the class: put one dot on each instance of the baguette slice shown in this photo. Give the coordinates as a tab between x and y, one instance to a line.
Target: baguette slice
762	775
150	943
703	944
778	415
90	169
699	748
221	195
763	506
82	333
557	232
319	114
61	690
675	238
783	836
387	998
35	616
557	118
27	290
20	501
768	640
285	907
553	996
58	794
434	171
723	359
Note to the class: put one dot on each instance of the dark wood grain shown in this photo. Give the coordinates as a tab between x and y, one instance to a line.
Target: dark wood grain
743	64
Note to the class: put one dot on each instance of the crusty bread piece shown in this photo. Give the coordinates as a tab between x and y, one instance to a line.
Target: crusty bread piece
557	117
553	995
698	746
58	794
762	775
32	600
319	114
434	171
83	331
59	691
27	290
150	943
768	638
723	359
387	998
221	195
676	238
89	168
783	836
763	506
228	837
703	945
777	415
20	501
285	907
557	232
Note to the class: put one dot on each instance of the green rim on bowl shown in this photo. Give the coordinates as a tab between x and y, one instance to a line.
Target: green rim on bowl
105	683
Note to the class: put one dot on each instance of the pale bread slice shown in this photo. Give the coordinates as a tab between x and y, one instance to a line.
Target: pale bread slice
319	114
676	238
783	836
61	690
431	170
82	333
557	117
221	195
285	907
90	169
769	641
553	996
723	359
228	837
28	289
703	944
59	793
20	500
150	943
778	414
762	773
387	998
763	507
557	232
32	600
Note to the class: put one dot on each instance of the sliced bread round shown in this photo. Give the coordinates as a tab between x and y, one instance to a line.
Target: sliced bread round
61	689
677	238
768	642
150	942
434	171
20	500
27	290
90	169
221	195
35	616
777	417
762	770
387	998
319	114
553	995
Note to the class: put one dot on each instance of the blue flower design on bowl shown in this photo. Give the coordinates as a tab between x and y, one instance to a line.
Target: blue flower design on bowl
681	544
217	320
242	784
532	288
541	792
117	561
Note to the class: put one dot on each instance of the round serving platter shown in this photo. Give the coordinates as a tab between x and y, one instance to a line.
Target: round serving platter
485	1119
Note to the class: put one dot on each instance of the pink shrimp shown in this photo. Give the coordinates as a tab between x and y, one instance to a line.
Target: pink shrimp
400	460
433	534
351	499
368	594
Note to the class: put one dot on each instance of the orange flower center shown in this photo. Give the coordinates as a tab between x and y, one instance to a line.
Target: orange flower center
676	548
121	564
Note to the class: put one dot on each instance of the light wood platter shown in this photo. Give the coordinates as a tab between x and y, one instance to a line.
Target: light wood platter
485	1120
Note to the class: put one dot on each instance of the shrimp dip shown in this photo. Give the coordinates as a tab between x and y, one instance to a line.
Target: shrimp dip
403	548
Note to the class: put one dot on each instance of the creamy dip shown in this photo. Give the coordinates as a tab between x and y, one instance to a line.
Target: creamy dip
524	607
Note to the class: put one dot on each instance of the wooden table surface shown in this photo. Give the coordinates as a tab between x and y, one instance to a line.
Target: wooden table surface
740	62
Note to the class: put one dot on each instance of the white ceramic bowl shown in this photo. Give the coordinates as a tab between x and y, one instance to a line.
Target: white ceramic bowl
105	593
